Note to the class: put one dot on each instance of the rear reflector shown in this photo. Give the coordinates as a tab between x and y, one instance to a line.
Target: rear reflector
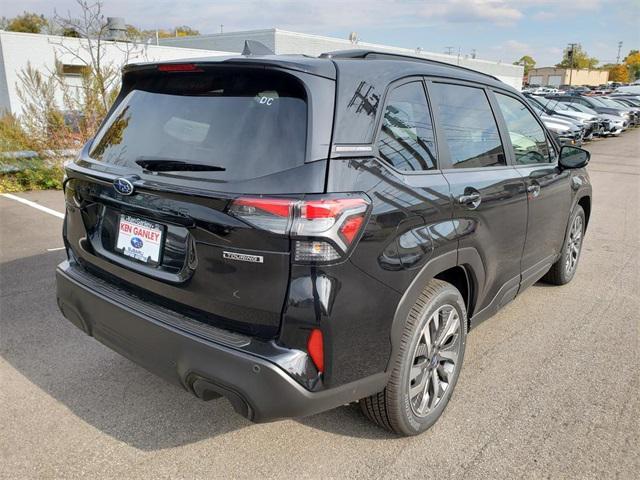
315	347
178	67
351	227
324	228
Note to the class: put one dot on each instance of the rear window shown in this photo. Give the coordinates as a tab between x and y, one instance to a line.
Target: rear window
248	123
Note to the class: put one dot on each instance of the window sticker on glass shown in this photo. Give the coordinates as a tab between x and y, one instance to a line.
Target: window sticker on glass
267	98
186	130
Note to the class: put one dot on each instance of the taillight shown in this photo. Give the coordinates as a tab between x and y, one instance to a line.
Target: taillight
324	229
273	214
315	347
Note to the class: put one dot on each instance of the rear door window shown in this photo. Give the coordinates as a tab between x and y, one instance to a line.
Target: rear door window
406	139
469	126
250	124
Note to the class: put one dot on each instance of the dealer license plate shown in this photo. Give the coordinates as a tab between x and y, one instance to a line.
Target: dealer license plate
139	239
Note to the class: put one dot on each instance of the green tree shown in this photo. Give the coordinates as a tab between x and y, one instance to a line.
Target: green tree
70	32
527	62
28	23
186	31
619	73
632	61
577	58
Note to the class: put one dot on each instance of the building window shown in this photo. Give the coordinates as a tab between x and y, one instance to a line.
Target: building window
72	70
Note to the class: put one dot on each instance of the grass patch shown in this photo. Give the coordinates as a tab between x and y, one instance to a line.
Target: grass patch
36	176
20	174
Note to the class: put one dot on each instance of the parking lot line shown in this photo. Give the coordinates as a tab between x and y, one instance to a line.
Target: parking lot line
33	204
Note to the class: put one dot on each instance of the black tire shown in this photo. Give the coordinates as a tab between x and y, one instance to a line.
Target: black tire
394	408
560	273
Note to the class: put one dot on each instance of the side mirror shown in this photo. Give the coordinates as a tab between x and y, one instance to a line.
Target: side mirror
573	157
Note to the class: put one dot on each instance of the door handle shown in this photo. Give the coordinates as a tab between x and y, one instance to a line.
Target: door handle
471	200
534	189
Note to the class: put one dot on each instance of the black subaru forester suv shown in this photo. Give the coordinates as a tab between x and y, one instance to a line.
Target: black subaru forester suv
297	233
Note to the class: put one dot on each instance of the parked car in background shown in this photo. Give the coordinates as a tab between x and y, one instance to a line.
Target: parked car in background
298	233
594	104
634	118
614	124
541	91
601	90
629	101
635	111
627	96
579	90
634	89
566	130
590	122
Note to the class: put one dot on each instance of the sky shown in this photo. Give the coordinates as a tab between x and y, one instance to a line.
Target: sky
496	29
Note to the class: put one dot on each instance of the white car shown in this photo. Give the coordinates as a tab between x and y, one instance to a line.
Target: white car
629	89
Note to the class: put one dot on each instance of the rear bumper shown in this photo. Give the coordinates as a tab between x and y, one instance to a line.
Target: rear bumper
207	364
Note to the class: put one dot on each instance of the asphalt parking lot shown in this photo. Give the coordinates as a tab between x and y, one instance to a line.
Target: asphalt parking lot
549	388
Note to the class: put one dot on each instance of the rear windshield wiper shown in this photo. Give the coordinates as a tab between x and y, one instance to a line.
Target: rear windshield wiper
169	165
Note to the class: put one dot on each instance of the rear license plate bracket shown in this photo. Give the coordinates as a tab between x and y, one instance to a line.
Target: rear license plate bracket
140	239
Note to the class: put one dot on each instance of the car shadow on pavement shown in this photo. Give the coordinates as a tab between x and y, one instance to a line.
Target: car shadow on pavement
107	390
347	421
102	388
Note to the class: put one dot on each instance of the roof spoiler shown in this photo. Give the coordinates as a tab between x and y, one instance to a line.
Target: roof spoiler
253	47
375	54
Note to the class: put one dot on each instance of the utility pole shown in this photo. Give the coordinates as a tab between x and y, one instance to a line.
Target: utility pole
570	54
448	50
221	28
619	48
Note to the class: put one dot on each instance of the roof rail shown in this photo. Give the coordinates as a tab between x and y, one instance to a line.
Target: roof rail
375	54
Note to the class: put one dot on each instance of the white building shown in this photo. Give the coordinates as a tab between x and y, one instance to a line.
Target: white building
17	50
281	41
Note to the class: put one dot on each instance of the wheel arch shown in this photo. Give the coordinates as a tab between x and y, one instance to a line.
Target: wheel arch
459	278
462	268
585	203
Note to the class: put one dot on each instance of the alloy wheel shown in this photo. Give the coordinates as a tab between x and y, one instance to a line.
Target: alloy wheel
435	360
574	244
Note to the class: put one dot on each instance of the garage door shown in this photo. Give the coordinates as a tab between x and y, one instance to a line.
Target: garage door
535	80
555	80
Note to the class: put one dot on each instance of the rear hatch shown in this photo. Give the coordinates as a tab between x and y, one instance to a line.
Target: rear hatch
151	198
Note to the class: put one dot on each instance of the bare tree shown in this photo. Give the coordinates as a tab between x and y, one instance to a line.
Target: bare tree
59	113
92	30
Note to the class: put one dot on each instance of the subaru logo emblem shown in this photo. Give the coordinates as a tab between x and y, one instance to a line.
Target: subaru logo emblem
137	242
123	186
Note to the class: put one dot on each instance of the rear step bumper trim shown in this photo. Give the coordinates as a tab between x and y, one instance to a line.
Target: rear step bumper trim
256	387
164	315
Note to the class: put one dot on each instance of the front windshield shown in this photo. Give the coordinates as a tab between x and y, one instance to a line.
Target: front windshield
536	108
612	103
635	103
537	104
582	108
599	102
556	105
622	103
